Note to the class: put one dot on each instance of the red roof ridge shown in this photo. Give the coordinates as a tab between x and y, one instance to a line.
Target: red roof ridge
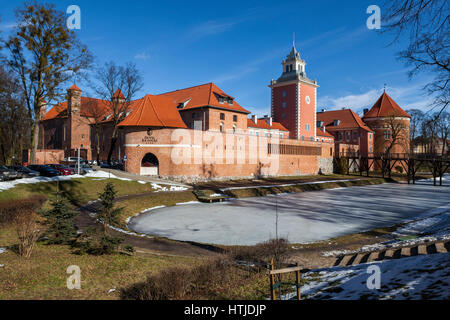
192	87
385	106
118	94
74	87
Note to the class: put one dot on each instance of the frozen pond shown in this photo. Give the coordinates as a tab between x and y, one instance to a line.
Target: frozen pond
302	217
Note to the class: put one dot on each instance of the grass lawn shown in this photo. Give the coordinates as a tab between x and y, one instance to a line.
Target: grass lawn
44	276
78	191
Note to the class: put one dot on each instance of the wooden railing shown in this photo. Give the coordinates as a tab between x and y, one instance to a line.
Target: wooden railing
274	285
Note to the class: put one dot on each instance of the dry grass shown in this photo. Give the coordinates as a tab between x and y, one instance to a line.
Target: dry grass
78	191
43	275
214	278
134	206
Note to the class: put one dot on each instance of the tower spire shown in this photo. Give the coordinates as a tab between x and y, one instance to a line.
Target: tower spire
293	40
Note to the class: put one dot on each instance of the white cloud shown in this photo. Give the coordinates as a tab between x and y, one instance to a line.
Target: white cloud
6	26
142	56
211	27
408	97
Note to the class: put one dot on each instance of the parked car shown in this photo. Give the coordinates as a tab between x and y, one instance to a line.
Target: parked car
105	165
24	172
84	169
75	160
65	170
7	174
44	170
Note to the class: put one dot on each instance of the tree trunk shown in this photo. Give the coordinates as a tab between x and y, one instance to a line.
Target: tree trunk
35	135
113	144
97	147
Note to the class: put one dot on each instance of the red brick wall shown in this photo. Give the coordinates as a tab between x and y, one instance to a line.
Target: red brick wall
307	111
190	161
290	112
380	125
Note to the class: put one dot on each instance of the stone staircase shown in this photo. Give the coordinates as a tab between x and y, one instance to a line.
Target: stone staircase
392	253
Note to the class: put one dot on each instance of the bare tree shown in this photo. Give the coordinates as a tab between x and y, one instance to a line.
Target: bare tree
44	54
14	122
427	24
27	229
443	129
417	117
117	85
398	134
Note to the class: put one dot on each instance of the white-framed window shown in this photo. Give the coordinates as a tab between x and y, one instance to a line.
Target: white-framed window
222	127
347	135
234	128
387	135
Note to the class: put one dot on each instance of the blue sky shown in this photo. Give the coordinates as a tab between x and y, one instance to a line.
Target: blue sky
239	45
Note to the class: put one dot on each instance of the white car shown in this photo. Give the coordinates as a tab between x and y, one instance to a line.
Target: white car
75	159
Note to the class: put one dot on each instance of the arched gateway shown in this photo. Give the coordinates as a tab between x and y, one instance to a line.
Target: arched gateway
150	165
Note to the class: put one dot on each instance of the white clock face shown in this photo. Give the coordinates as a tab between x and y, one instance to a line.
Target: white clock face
308	100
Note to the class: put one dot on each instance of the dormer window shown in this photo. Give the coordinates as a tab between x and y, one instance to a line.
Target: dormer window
221	100
336	123
181	105
230	101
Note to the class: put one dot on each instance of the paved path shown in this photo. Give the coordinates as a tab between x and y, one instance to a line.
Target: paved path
302	217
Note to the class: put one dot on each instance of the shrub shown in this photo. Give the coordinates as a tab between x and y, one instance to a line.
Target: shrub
399	169
342	165
61	229
8	209
205	280
263	253
107	213
27	229
95	243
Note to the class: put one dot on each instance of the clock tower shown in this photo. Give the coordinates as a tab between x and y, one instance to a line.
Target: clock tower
294	98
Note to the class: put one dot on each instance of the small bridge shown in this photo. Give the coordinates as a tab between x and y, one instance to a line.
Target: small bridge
411	163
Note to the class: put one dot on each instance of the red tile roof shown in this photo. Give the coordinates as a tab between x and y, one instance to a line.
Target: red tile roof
348	119
202	96
263	124
86	108
118	94
321	133
154	111
74	87
386	107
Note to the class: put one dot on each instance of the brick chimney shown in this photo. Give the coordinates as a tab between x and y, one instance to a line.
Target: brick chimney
73	100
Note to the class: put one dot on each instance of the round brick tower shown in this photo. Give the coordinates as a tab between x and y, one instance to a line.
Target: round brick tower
391	125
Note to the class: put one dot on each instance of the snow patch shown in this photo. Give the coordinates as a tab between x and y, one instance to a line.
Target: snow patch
407	278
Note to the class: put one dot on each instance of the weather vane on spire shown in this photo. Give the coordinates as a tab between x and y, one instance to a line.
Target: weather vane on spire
293	39
384	89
